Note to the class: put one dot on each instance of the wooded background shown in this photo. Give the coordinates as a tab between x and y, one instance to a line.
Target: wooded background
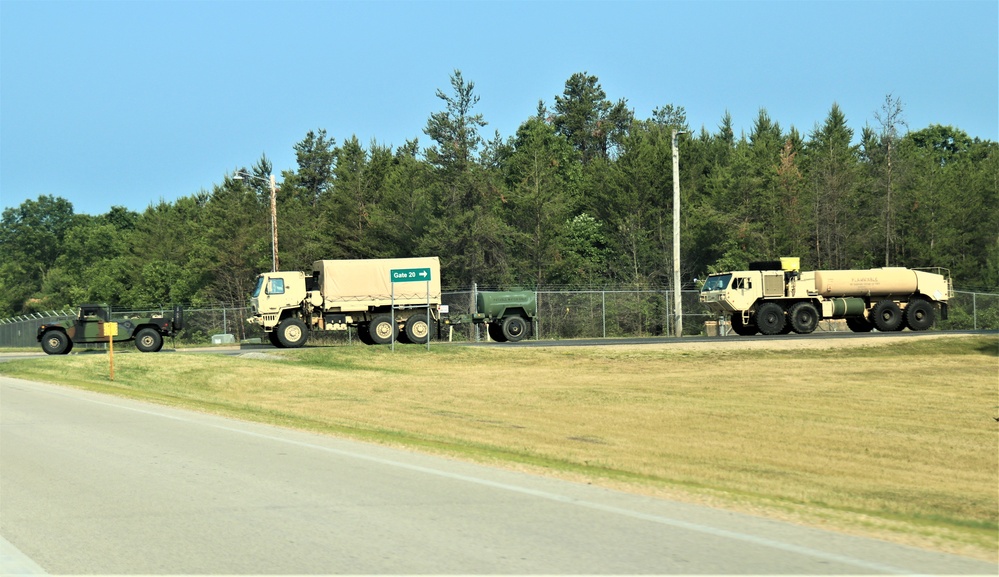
580	197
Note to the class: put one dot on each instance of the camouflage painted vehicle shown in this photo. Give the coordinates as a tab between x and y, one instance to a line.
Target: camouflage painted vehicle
89	327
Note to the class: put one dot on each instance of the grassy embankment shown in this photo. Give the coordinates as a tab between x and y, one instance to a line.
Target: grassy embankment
895	440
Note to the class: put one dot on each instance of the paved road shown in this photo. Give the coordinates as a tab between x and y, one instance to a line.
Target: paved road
95	484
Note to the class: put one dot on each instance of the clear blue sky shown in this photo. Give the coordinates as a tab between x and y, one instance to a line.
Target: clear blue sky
126	103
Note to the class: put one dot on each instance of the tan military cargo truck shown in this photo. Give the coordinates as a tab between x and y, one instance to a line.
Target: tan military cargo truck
775	297
384	299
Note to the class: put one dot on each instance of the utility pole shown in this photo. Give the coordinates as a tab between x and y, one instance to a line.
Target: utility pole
274	247
677	296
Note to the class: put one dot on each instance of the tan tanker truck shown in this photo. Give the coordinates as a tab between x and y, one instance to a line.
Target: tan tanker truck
385	299
775	297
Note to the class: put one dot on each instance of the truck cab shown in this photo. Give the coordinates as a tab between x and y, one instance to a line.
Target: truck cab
276	292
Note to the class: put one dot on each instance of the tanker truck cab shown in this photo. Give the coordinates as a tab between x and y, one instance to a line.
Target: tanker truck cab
730	291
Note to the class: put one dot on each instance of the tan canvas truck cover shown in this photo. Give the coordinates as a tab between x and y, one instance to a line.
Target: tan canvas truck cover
351	285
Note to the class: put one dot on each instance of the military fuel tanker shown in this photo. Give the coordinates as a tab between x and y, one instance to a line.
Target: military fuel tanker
775	297
508	315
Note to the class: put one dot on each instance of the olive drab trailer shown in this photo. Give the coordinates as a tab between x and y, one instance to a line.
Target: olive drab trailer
775	297
90	324
384	299
508	315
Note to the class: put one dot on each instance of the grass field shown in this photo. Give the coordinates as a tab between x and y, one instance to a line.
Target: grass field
890	438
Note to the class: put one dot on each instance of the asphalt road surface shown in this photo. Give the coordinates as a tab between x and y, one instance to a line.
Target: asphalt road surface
93	484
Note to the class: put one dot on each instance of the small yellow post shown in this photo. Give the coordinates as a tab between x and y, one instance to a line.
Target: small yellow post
111	331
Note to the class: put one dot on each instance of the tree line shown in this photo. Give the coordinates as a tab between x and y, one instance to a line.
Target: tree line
580	197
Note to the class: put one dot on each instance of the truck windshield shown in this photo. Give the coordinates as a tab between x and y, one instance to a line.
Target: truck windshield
716	282
260	285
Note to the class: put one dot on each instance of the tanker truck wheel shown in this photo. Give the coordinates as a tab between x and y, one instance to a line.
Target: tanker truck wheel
742	329
920	315
770	319
514	329
417	329
804	317
382	330
291	333
887	317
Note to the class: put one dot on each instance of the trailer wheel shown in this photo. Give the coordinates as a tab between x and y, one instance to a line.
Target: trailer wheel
887	317
859	324
495	332
743	329
148	340
804	317
56	342
417	329
291	333
514	329
920	314
770	319
382	330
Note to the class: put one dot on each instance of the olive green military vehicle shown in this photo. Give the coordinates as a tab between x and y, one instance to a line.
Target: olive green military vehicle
508	315
91	324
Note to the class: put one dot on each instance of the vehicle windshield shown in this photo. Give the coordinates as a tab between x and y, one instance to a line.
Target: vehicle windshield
717	282
260	285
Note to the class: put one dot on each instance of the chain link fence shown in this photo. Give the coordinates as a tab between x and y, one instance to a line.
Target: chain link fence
561	315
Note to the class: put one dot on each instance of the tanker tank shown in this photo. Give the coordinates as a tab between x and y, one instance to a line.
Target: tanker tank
873	282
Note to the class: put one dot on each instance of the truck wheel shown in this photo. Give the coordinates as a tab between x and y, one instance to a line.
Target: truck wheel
56	343
770	318
382	330
804	317
859	324
887	317
742	329
148	340
920	314
514	329
495	332
418	329
291	333
272	337
364	334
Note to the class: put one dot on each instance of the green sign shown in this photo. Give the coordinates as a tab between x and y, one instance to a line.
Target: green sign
410	274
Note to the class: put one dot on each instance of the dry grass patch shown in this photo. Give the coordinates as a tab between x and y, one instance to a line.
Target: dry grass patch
896	440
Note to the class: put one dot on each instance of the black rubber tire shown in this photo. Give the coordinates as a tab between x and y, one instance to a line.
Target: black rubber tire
770	318
382	330
417	329
515	329
363	333
148	340
273	339
291	333
804	317
743	329
495	332
920	314
887	317
859	324
56	342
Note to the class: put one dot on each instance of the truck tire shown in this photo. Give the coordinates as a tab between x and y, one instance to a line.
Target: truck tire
804	317
887	317
382	330
56	343
272	337
148	340
920	314
514	329
743	329
495	332
291	333
770	318
859	324
363	334
418	329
